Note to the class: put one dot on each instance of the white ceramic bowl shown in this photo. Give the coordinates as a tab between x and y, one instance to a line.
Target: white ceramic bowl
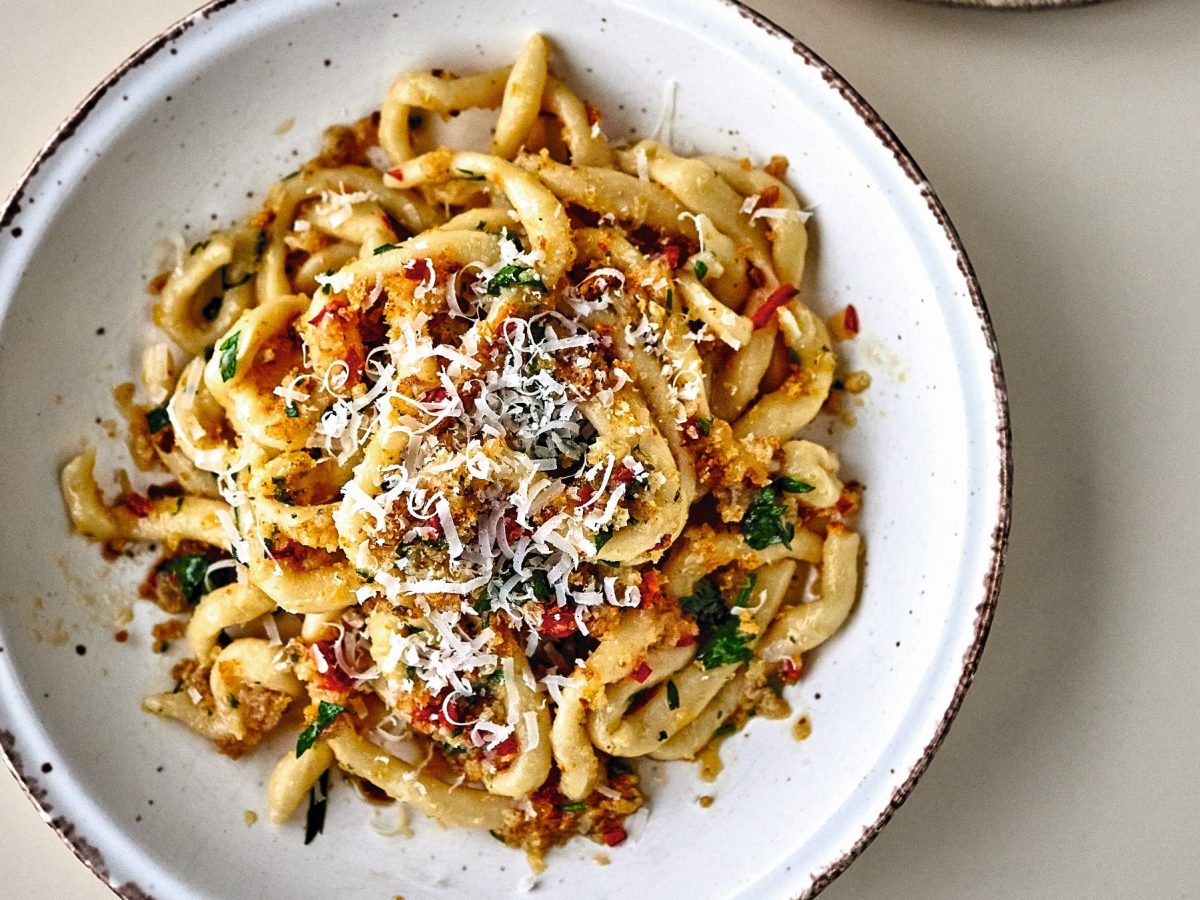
179	135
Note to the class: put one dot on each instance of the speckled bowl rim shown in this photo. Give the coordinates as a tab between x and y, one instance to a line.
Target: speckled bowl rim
91	856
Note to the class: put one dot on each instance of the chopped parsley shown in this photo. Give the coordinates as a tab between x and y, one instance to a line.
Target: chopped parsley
704	426
291	410
763	524
794	485
385	248
576	806
727	645
229	358
188	571
701	268
672	696
157	419
743	597
468	175
603	537
705	604
212	309
512	275
725	730
326	713
318	798
281	492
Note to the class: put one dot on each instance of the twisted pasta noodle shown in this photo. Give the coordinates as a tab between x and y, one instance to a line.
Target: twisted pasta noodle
784	411
461	807
585	142
696	734
184	310
233	604
202	432
807	625
539	211
168	519
272	279
293	777
816	466
178	706
522	97
442	94
572	745
622	733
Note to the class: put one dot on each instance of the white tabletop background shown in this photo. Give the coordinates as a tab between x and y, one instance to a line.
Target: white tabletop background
1066	146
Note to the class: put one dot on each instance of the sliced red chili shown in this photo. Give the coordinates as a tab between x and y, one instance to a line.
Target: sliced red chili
417	270
333	679
850	320
790	671
507	747
781	295
685	640
396	173
558	623
641	673
614	836
137	504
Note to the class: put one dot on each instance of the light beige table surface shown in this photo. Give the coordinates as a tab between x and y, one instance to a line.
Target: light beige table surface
1066	146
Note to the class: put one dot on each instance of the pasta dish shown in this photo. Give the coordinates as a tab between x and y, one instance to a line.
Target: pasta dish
485	468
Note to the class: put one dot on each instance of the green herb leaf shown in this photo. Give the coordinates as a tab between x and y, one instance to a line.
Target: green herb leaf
602	538
318	798
539	583
704	426
513	274
727	645
705	604
229	351
576	806
725	730
763	524
672	695
385	248
326	713
701	268
281	492
212	309
794	485
291	411
743	596
469	175
794	356
188	571
157	419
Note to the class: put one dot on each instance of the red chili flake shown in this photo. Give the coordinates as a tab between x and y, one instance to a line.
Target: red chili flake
137	504
672	254
512	529
586	492
778	298
622	474
434	395
507	747
650	583
615	835
329	309
685	640
558	623
850	320
334	679
417	270
641	673
790	671
396	173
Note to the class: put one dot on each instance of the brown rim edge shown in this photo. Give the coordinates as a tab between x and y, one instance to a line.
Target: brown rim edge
91	857
986	608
